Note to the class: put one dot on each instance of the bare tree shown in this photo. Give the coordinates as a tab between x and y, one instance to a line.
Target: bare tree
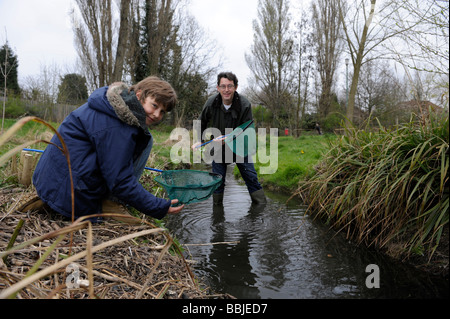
122	42
101	52
197	48
160	33
305	57
362	36
327	33
192	67
133	55
272	57
426	46
379	90
428	39
43	87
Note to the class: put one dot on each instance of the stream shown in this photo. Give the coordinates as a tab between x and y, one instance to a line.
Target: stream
278	252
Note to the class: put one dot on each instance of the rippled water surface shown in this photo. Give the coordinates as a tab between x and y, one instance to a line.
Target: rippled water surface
277	252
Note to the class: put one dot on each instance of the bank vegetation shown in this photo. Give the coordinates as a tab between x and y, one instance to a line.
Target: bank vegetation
388	189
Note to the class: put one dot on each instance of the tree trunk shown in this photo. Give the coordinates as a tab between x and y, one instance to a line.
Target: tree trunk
122	41
357	67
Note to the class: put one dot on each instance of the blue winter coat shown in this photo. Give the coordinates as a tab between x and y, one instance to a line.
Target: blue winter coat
103	139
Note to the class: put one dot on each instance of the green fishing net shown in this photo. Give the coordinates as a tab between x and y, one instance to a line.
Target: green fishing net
189	186
242	140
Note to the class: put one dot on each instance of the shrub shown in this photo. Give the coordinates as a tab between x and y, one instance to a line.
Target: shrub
386	188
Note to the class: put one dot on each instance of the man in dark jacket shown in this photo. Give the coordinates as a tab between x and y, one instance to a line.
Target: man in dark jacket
109	143
228	110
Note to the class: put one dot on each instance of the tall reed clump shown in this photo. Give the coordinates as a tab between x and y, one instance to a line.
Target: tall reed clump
388	189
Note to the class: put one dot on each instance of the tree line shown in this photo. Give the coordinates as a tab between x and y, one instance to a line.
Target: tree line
392	51
329	61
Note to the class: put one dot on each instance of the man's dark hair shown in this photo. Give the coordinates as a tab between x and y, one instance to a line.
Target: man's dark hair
227	75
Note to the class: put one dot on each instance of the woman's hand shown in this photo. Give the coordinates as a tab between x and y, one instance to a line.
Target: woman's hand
175	210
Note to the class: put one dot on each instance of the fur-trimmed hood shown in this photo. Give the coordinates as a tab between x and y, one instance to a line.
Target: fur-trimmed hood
125	105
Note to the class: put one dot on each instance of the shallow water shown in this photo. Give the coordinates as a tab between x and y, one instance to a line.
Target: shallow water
276	251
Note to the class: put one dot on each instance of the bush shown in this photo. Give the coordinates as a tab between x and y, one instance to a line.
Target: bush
387	189
15	107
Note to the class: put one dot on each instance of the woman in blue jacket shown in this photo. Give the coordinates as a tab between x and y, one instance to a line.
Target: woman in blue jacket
109	143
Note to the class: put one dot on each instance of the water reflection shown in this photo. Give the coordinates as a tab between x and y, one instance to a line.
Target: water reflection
275	251
231	261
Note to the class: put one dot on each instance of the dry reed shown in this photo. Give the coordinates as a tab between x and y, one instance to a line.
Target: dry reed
114	260
43	255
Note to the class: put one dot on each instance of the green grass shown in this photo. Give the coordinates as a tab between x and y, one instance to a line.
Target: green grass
30	131
297	158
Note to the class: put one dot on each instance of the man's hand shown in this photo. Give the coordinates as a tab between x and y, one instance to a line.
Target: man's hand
220	139
175	210
196	145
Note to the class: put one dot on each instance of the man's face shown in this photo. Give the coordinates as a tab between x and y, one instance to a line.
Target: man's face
226	89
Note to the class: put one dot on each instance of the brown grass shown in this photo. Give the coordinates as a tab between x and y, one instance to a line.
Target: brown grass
115	260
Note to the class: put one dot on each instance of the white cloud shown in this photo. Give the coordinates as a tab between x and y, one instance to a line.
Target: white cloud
40	34
230	23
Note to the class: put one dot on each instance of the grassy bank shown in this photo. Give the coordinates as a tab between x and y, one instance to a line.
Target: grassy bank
297	158
387	189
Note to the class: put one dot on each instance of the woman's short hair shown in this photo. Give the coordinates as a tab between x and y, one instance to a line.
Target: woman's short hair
158	89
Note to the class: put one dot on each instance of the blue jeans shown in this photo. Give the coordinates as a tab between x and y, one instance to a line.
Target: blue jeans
247	171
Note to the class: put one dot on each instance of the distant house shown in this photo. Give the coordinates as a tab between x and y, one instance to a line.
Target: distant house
419	107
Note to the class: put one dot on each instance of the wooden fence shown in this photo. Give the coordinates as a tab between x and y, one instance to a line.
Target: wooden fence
49	111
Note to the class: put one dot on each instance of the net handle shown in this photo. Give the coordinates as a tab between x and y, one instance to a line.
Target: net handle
222	136
226	136
154	169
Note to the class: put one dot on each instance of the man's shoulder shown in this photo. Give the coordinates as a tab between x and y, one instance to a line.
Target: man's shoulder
244	101
211	98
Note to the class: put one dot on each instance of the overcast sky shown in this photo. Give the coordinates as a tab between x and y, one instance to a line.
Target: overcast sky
40	33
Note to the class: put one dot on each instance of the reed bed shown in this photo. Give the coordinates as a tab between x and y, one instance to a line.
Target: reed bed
55	258
387	189
44	255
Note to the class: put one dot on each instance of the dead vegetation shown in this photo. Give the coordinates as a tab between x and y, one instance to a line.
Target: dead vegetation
44	255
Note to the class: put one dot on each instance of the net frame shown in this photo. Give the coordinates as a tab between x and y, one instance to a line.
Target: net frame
241	144
188	186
